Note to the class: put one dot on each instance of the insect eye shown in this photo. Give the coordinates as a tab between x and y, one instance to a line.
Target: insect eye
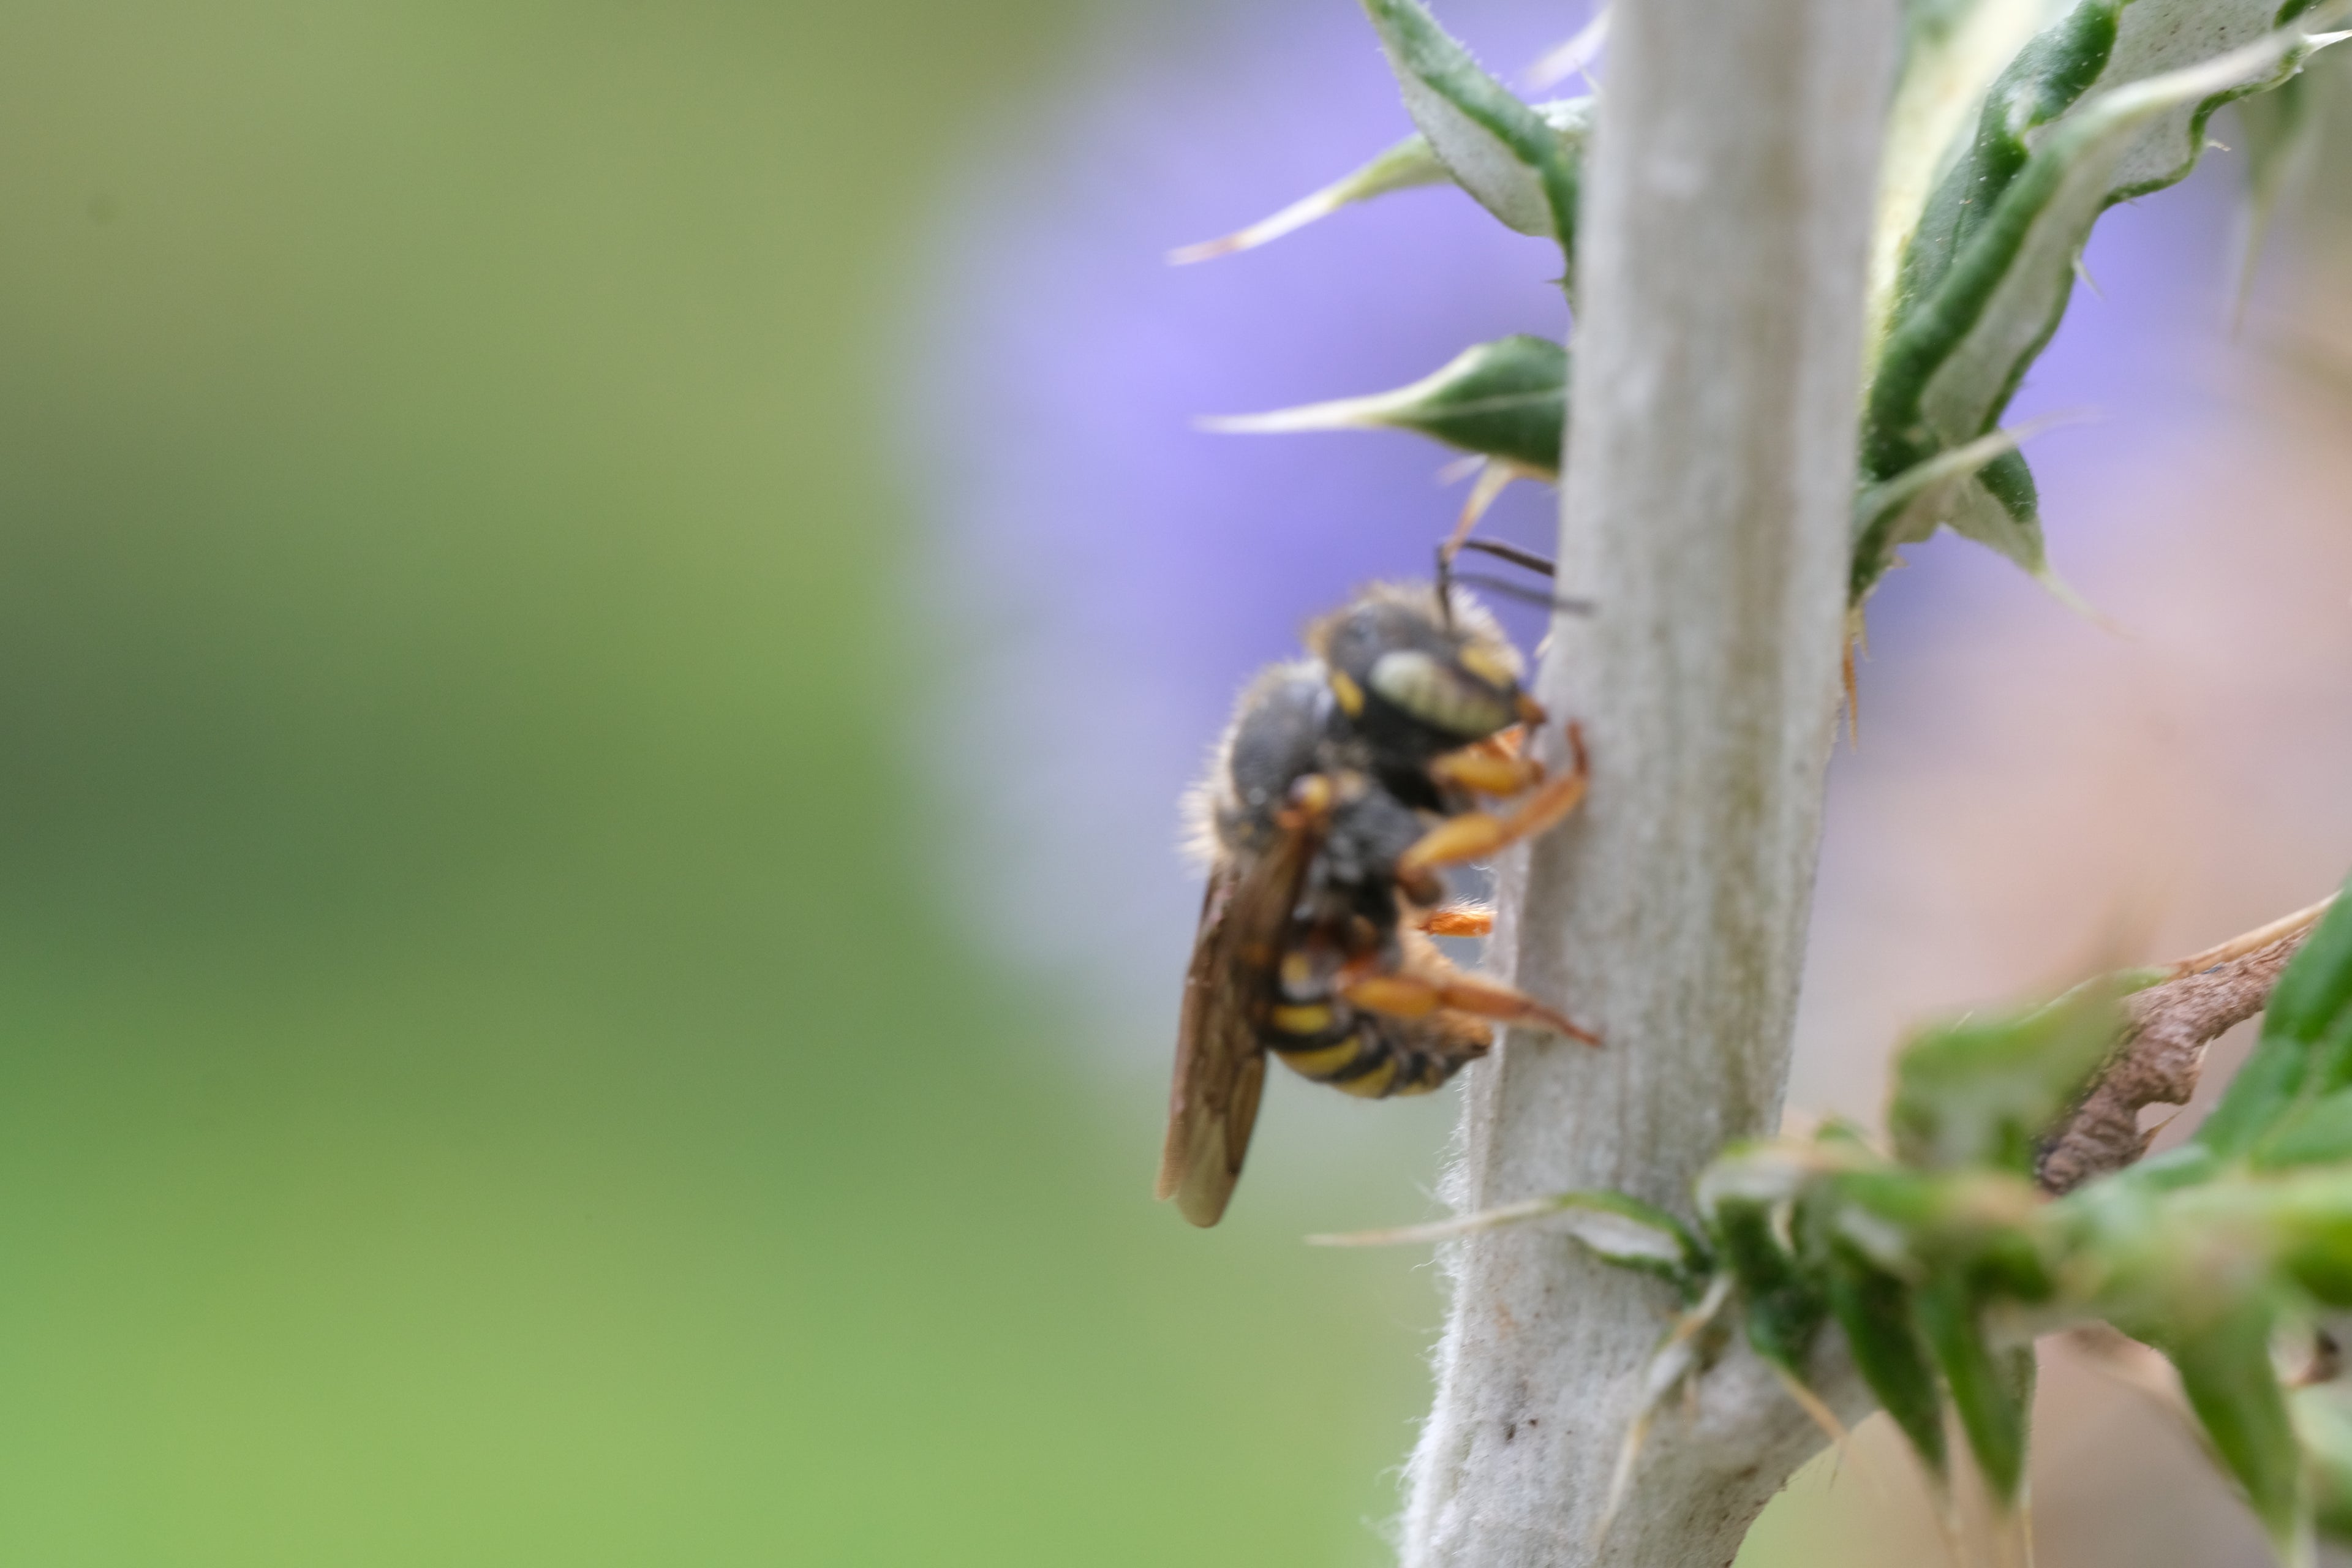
1435	694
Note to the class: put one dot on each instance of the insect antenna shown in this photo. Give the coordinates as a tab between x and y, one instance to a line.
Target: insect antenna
1526	559
1512	554
1525	594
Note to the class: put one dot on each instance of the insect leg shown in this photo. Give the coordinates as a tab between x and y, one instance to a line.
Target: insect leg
1476	835
1508	743
1418	997
1430	1050
1506	1005
1489	771
1458	919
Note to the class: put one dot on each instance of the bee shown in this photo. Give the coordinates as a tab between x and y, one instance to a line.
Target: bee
1345	785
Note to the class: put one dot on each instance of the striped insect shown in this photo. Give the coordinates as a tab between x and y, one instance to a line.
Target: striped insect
1346	784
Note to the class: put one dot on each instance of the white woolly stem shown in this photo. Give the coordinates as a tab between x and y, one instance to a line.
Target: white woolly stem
1706	501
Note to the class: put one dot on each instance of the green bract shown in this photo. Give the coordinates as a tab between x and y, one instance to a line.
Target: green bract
1494	144
2110	102
1408	165
2305	1054
1941	1262
1981	1094
1504	399
2012	125
1634	1234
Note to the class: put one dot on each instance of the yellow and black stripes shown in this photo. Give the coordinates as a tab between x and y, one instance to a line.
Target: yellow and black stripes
1370	1055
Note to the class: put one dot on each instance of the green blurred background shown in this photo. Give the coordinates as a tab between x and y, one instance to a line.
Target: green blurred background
488	1077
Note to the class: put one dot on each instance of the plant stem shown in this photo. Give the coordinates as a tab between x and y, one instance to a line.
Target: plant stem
1706	512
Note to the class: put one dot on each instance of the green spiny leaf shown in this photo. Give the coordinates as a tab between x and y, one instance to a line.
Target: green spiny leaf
1631	1234
2306	1221
1403	167
2312	1002
1875	1311
1408	165
1952	51
2225	1370
2048	77
1773	1173
1992	1391
1971	1221
1506	399
1785	1306
2305	1049
1495	145
2177	32
2093	111
1983	1093
2154	1260
1618	1229
1929	483
1982	489
2314	1133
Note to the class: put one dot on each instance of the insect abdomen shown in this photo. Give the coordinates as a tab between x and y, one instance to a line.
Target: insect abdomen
1364	1055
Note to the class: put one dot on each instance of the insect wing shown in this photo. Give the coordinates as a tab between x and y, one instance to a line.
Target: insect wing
1220	1054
